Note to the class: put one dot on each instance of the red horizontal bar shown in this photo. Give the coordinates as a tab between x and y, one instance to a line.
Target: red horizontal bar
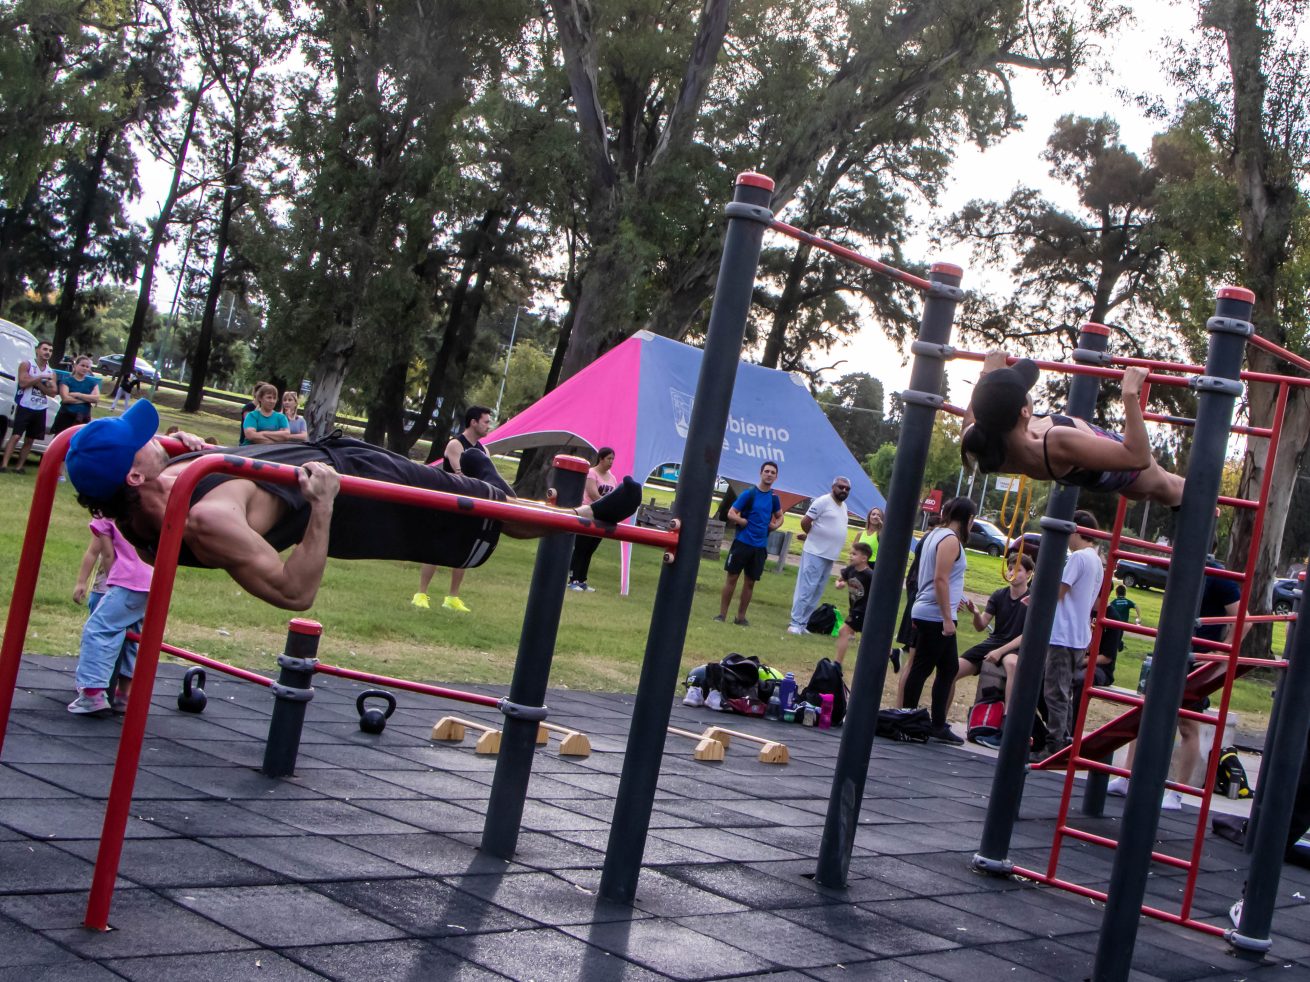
1101	766
1281	352
1076	369
1240	428
534	514
1239	502
207	662
405	684
1082	891
1209	656
891	272
1162	858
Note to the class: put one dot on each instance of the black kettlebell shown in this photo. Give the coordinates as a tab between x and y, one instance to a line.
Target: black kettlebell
193	700
374	720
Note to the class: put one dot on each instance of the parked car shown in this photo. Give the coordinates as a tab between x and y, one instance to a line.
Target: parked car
1030	542
113	364
986	537
17	344
1134	574
1286	593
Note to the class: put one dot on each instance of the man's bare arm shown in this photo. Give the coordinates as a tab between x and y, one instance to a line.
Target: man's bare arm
220	536
454	451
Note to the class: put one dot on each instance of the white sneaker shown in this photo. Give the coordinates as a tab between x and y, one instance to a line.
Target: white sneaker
714	701
694	697
1235	914
1118	787
1171	802
793	629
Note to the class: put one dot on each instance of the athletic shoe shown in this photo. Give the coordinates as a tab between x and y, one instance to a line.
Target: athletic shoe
720	618
420	600
694	697
741	622
989	741
714	701
586	588
1171	802
944	734
455	604
896	660
90	702
1235	914
793	629
119	704
1118	787
575	586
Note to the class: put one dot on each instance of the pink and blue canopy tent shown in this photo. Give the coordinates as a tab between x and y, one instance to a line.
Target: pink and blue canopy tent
637	399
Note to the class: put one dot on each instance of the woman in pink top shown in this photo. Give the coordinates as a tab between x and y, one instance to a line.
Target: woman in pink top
600	481
105	635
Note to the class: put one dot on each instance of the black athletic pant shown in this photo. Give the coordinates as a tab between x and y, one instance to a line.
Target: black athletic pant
584	547
935	651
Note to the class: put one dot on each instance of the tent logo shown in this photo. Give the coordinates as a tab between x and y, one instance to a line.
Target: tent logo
681	410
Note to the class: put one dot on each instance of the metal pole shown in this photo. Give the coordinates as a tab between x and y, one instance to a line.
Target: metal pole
525	707
292	693
922	401
1057	524
1217	391
504	376
1275	717
748	217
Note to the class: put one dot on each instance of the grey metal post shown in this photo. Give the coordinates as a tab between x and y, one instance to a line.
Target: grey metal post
524	709
292	692
1275	715
748	217
922	400
1217	391
1057	525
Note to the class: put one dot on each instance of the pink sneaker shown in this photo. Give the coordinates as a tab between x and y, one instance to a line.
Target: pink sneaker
90	702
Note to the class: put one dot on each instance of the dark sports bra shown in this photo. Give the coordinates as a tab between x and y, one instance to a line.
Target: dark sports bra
1082	477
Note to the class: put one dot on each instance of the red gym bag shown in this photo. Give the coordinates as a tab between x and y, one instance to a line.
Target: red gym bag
985	719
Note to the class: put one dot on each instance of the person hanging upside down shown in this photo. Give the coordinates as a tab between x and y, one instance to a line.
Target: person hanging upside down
1001	433
240	525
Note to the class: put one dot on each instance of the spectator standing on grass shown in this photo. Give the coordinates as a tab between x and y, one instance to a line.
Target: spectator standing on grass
756	512
1071	634
600	481
823	530
78	392
104	637
295	422
36	387
265	424
857	580
940	593
477	424
905	632
123	392
872	534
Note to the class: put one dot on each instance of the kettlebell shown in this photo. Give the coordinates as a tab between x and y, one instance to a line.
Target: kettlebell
193	700
374	720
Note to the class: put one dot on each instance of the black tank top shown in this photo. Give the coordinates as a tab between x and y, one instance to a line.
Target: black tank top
464	442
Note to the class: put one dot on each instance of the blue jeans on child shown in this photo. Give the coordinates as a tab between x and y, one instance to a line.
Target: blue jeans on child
103	637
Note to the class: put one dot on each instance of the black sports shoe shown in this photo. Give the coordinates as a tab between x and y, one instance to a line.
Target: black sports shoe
944	734
989	741
896	660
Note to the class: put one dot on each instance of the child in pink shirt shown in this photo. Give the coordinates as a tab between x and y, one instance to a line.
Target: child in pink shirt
105	635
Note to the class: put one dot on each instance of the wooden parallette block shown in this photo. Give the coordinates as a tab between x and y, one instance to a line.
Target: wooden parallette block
706	747
452	728
571	744
771	752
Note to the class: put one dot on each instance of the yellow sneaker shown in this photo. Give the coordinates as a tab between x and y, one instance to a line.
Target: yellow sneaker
420	601
455	604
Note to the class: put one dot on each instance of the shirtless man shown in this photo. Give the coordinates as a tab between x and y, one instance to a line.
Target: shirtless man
240	525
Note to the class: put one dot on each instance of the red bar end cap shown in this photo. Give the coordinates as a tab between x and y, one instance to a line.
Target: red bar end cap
1236	293
752	179
1091	327
302	625
949	269
567	462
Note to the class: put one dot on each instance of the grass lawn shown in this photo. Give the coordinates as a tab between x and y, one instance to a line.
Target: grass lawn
369	623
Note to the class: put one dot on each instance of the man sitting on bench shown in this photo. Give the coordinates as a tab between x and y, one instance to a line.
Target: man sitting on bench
239	524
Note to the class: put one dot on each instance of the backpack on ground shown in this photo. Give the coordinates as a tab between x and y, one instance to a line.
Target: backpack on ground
904	725
826	619
1229	774
737	676
827	680
986	719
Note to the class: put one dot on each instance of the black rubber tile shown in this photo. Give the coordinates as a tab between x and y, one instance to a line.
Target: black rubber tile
327	817
177	863
221	966
1047	912
670	949
423	907
43	748
283	915
779	940
858	888
871	932
428	814
951	923
18	785
540	850
25	949
420	961
208	818
348	785
540	816
28	866
886	970
978	966
237	782
906	875
301	859
547	899
79	818
143	923
661	895
443	785
79	971
713	843
744	885
92	781
1053	956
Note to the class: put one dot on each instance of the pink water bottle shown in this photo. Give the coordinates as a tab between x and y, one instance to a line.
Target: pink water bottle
825	711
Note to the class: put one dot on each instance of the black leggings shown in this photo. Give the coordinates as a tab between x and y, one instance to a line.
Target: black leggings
935	650
584	547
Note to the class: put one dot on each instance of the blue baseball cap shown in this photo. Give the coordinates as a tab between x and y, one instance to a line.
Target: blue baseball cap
101	452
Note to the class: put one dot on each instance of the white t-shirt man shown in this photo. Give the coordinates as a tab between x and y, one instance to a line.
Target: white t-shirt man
827	536
32	397
1082	573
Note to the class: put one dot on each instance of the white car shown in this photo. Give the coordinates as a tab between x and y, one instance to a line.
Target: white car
17	344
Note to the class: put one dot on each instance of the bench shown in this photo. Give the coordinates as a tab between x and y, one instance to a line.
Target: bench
654	516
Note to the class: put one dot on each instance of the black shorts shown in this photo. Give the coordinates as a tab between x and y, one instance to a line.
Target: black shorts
66	418
979	652
746	559
29	423
855	621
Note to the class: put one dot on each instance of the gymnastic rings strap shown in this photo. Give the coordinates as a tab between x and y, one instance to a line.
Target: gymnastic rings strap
1023	497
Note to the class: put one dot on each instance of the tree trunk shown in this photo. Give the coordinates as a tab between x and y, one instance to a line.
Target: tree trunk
66	315
204	343
787	306
386	414
326	380
603	312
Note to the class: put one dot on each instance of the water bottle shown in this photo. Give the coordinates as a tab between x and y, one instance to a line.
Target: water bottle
775	708
1145	676
787	692
825	711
